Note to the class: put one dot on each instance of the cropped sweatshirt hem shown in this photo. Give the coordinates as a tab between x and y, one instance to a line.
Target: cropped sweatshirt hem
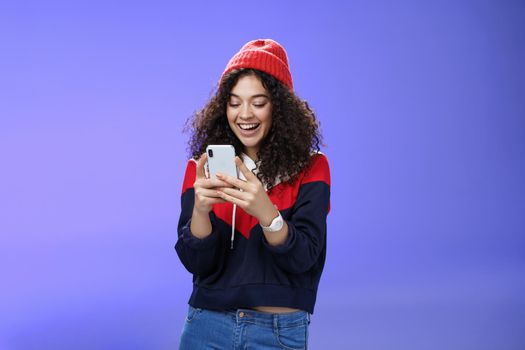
253	295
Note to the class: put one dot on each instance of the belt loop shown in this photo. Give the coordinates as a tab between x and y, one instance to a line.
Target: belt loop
276	322
308	316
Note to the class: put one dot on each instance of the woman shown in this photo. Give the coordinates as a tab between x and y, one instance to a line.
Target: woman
256	245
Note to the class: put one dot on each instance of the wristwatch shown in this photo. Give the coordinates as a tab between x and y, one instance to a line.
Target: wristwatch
276	225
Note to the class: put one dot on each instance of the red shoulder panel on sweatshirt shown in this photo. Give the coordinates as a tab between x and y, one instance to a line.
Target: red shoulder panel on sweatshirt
189	175
284	195
318	170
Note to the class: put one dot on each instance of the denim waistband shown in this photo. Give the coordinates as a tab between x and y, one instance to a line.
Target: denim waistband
288	319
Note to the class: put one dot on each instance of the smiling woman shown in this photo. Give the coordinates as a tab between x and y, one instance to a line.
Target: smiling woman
261	292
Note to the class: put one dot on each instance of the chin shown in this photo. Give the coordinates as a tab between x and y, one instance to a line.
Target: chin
250	144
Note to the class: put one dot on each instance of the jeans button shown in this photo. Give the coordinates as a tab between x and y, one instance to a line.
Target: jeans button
241	314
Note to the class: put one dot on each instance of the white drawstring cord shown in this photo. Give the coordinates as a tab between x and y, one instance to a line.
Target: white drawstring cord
233	225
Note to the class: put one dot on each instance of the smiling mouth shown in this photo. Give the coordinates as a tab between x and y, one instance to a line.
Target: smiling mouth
248	126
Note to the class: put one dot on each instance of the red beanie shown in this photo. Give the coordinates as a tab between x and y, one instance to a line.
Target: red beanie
266	55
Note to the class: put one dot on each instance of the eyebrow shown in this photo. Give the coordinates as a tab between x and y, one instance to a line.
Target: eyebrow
254	96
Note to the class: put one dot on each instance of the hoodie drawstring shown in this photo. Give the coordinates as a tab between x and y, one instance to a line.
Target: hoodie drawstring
233	225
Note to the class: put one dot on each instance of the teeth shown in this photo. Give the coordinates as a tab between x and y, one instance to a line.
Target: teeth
248	126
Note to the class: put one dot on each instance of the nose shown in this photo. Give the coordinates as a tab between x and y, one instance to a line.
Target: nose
245	112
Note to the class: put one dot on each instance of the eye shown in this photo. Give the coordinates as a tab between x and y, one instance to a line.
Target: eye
259	105
233	104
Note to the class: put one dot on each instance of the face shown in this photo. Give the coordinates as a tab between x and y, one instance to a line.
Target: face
249	113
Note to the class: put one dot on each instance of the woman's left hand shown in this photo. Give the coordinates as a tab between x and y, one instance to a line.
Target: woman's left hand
249	195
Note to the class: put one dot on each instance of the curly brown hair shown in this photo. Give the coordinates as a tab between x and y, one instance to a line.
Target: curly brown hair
293	135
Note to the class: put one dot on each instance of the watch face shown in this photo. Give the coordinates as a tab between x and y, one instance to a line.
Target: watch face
276	225
279	223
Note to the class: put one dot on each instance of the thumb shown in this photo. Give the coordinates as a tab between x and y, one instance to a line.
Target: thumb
201	174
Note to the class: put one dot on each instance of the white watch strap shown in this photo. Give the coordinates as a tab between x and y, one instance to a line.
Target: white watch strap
276	224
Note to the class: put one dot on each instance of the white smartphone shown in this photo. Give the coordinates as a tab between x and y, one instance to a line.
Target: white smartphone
221	159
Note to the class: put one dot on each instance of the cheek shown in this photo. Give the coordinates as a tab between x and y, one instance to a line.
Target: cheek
268	121
266	116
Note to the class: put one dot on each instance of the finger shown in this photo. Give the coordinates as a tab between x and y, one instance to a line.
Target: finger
232	199
246	172
208	193
201	174
234	193
216	200
233	181
213	182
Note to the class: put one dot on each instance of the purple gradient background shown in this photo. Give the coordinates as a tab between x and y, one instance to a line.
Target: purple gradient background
422	107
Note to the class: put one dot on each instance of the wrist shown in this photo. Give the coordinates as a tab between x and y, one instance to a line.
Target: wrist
275	225
201	212
267	219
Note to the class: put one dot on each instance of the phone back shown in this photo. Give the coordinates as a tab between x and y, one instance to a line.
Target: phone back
221	159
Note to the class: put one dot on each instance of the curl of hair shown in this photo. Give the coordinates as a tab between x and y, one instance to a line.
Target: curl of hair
286	150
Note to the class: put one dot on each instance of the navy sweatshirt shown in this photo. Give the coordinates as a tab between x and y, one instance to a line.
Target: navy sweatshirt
255	273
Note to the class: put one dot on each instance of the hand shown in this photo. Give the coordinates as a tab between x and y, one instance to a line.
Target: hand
249	195
205	193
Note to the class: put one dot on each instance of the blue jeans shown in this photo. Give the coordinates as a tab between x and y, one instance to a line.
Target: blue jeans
244	329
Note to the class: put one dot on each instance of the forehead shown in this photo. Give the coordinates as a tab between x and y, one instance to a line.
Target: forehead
249	86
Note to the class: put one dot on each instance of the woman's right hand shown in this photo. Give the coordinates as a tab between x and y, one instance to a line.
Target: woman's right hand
205	193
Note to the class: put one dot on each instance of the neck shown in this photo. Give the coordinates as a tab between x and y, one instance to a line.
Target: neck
252	153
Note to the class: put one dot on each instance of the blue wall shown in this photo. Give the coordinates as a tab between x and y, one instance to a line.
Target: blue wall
421	105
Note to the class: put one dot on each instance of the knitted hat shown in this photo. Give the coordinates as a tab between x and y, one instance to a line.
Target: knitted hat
266	55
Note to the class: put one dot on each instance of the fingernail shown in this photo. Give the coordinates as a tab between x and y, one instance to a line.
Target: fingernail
219	175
